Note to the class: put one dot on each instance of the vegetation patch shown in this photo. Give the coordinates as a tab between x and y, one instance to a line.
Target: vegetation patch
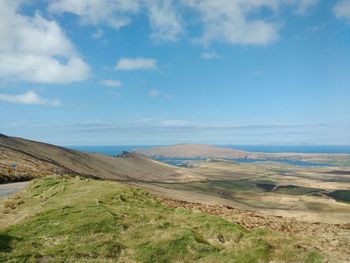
256	186
266	186
297	190
74	219
340	195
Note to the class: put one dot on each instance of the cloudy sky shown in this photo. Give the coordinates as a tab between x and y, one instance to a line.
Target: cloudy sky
95	72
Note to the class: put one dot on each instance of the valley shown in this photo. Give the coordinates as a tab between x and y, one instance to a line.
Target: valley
307	205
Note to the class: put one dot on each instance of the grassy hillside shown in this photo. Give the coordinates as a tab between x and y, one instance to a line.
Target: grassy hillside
36	159
75	219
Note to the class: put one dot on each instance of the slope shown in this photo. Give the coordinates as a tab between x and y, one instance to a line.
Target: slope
35	159
80	220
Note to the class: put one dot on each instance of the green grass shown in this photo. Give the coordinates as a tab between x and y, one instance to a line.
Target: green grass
297	190
255	186
340	195
80	220
243	185
229	185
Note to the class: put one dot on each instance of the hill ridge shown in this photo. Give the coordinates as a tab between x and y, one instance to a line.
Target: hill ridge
36	159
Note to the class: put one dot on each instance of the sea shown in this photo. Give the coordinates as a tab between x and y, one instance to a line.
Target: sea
118	149
112	150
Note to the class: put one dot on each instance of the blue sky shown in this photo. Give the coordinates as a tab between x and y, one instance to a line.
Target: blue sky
76	72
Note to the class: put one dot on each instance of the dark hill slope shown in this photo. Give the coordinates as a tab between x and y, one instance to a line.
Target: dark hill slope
35	159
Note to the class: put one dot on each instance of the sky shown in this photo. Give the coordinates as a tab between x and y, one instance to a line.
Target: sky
109	72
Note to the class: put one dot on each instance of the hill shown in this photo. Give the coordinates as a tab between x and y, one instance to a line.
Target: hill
204	151
192	151
119	221
35	159
79	220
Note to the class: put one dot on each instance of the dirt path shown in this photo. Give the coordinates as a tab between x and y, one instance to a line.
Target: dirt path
7	189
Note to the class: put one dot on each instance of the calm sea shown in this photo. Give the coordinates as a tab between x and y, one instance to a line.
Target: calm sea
109	150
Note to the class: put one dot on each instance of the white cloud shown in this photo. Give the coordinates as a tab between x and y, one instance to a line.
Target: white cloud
342	9
29	97
174	123
36	49
304	5
227	21
210	55
153	93
98	33
136	63
230	21
164	20
317	28
115	13
111	83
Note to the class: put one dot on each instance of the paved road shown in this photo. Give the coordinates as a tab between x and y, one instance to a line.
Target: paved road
7	189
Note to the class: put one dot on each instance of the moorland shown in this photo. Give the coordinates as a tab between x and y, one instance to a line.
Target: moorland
81	206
